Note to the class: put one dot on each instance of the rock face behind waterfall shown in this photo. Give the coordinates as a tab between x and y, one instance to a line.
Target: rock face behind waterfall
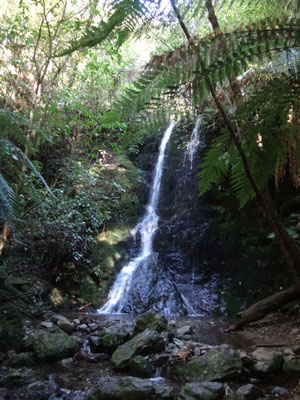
173	281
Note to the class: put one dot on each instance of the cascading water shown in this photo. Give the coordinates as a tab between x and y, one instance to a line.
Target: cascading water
194	142
118	295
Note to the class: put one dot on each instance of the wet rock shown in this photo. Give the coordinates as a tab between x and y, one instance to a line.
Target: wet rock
66	325
215	387
76	321
48	346
3	392
19	377
179	343
292	366
246	359
131	388
197	351
140	367
46	324
94	343
201	391
93	326
152	321
267	360
167	336
98	357
218	363
78	339
249	392
66	362
83	327
296	349
40	390
57	317
159	360
21	360
108	340
278	392
185	330
144	343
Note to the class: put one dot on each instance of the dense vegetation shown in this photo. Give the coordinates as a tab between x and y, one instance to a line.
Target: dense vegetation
82	85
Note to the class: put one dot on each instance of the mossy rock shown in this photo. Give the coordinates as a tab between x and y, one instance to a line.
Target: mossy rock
218	363
11	330
53	345
18	377
145	343
141	368
151	321
110	340
22	360
128	387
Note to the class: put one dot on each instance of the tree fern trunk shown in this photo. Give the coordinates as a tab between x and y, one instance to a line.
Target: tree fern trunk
287	243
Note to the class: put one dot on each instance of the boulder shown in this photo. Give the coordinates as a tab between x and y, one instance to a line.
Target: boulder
131	388
53	345
151	321
278	392
46	324
144	343
184	330
201	391
140	367
218	363
292	366
57	317
21	360
18	377
249	392
108	341
40	390
267	360
65	325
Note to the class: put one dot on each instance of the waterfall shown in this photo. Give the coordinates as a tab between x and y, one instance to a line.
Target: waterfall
194	142
118	294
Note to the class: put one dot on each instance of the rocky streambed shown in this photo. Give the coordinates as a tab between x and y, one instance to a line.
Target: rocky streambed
149	358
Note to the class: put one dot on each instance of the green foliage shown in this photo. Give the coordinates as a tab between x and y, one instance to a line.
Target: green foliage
125	18
218	58
265	116
13	158
61	233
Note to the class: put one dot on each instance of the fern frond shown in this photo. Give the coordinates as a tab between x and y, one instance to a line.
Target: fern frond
126	17
8	203
215	163
224	56
19	155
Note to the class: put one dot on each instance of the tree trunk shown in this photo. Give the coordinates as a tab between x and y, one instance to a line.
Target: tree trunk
288	245
263	307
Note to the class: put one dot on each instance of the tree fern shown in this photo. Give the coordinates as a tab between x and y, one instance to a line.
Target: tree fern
11	155
8	203
269	137
126	17
225	55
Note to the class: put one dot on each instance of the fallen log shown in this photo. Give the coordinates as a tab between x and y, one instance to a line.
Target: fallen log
265	306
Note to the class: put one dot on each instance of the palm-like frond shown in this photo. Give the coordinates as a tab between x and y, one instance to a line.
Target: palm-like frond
8	203
125	18
219	58
270	133
19	155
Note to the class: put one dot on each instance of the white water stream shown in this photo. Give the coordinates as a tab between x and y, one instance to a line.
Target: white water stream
118	294
194	142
